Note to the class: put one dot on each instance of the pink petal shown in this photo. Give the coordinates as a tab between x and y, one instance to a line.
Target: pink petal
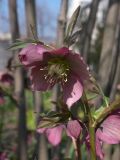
99	151
41	130
78	66
54	135
73	129
39	82
98	145
72	90
6	78
2	100
32	54
109	130
61	51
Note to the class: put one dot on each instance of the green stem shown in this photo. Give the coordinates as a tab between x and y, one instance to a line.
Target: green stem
90	127
112	107
92	142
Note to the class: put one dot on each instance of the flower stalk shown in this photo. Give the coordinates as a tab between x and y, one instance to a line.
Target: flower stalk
76	143
92	142
114	106
91	128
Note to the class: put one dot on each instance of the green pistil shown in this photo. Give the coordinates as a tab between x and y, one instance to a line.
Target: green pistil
58	69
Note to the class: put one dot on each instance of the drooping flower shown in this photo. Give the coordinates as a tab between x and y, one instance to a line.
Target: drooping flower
108	132
49	67
6	78
32	54
3	156
2	100
54	135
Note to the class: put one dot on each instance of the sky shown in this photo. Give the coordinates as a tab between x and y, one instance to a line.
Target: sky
50	9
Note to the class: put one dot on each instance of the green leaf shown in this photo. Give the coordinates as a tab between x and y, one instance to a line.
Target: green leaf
49	122
15	47
73	37
71	24
22	43
106	101
46	124
97	112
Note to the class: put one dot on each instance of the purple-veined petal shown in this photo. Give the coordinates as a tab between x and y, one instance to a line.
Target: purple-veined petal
72	90
98	145
109	130
41	130
99	151
60	52
32	54
73	128
78	66
6	78
2	100
54	135
39	82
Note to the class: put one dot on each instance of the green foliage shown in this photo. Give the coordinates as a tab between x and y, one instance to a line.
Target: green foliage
21	44
71	25
53	118
31	121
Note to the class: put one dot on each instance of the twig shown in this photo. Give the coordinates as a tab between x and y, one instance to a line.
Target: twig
76	144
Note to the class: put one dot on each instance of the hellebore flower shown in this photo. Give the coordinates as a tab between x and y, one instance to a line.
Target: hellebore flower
2	100
3	156
108	132
6	78
49	67
54	135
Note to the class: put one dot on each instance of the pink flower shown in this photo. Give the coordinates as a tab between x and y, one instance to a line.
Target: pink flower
54	135
2	100
49	67
108	132
6	78
3	156
32	54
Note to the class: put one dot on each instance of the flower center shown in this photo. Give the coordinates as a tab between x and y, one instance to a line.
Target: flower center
58	69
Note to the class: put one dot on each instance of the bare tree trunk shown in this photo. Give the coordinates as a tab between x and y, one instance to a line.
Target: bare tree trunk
41	147
110	61
19	87
30	17
22	129
116	154
86	42
116	62
105	65
14	28
62	20
107	151
116	149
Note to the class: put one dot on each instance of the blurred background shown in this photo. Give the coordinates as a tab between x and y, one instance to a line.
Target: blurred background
97	39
